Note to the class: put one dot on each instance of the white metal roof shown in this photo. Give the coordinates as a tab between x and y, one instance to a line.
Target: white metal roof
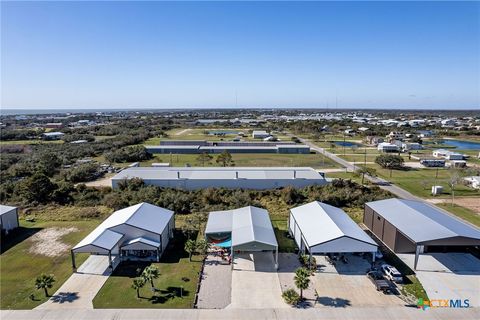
144	241
422	222
212	173
4	209
143	215
320	223
247	225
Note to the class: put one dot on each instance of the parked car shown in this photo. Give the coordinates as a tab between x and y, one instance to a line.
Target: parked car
391	273
381	284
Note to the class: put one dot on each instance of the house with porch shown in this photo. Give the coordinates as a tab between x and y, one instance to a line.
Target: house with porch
139	232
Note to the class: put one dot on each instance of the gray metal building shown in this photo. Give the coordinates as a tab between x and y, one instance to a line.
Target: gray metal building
200	146
192	178
408	226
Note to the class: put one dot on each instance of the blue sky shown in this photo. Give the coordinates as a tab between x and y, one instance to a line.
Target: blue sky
269	54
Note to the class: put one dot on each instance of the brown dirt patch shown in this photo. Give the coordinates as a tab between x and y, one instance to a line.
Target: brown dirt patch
48	242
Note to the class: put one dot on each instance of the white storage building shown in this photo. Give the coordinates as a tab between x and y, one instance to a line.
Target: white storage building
8	218
319	228
192	178
141	232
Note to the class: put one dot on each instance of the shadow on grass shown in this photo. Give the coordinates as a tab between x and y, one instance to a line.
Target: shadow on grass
15	237
163	295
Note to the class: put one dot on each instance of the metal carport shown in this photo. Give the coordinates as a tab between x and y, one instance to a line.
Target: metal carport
249	228
321	228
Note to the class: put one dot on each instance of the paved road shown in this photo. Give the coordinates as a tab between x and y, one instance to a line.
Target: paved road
367	313
384	184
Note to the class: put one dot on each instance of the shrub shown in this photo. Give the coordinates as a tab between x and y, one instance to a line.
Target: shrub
291	296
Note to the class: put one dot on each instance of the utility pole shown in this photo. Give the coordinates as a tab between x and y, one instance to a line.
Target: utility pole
365	158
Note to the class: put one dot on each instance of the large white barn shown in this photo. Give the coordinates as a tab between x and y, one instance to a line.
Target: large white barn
141	231
192	178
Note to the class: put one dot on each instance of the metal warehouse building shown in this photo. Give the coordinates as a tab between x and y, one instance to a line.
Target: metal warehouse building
196	147
245	229
192	178
8	218
319	228
408	226
138	232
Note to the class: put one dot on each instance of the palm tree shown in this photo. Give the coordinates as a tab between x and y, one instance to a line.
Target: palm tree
302	280
137	285
44	281
190	247
149	274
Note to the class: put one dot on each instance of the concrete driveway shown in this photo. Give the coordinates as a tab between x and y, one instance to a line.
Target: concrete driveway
448	275
345	285
216	286
255	283
80	289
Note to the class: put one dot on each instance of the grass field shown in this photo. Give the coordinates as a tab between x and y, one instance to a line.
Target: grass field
175	288
19	267
248	160
420	181
202	134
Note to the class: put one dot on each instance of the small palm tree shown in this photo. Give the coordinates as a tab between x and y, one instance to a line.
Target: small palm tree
202	246
45	282
137	285
149	274
190	247
302	280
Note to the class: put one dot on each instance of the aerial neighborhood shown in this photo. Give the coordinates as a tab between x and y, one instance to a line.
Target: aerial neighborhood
158	210
244	160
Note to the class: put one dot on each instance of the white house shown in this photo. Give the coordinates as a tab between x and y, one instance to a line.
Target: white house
53	135
260	134
138	232
473	181
387	147
8	218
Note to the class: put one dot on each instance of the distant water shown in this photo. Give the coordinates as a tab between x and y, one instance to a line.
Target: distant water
462	144
346	144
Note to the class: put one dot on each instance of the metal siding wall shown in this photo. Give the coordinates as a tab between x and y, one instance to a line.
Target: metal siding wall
368	217
389	235
377	226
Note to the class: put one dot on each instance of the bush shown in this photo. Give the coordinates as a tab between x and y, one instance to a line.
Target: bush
291	297
389	161
128	154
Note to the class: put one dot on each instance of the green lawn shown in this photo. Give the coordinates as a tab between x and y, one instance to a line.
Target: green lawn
19	267
175	288
462	212
249	160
